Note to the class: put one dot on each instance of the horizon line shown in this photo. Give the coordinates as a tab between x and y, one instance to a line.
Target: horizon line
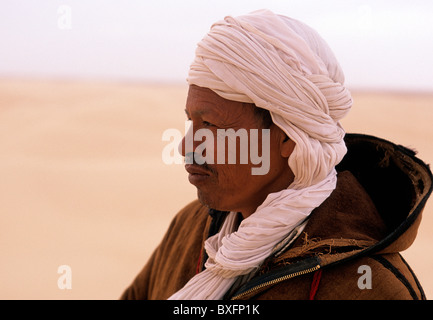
355	89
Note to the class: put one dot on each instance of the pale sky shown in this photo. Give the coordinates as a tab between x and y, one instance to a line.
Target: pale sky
380	44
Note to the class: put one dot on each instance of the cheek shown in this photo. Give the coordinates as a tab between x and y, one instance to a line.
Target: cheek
237	179
233	182
230	174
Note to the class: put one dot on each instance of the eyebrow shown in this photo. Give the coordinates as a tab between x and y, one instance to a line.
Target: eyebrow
197	112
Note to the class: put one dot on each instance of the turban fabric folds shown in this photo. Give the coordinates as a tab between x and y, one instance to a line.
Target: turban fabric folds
284	66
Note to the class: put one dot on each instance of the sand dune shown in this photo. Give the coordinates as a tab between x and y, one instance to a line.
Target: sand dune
83	184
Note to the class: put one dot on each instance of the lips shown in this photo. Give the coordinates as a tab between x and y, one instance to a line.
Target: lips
196	174
194	169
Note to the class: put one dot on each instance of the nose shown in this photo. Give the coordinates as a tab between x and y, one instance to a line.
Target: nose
187	153
181	148
187	144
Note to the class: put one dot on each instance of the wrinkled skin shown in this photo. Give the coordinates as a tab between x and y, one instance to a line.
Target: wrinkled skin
233	187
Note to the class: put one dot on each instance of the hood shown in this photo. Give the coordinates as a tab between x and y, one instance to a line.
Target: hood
376	208
397	182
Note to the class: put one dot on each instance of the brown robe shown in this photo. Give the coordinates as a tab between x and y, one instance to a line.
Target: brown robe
349	248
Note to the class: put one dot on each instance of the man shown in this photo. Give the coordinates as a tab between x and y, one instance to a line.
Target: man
329	217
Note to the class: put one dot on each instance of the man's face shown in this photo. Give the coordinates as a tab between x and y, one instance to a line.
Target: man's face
233	187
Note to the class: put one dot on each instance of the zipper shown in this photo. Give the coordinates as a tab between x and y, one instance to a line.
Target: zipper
275	281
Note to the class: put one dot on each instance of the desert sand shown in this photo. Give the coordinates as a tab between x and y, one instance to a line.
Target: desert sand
82	182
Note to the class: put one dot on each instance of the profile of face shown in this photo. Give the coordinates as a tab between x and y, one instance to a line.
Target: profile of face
231	186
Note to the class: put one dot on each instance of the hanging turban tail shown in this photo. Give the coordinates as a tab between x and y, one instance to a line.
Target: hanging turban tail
284	66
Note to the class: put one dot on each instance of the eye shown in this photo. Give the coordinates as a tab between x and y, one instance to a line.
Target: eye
208	124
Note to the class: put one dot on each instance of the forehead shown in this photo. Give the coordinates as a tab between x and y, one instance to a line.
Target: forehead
203	100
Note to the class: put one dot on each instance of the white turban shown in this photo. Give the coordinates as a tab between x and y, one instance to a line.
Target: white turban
281	65
284	66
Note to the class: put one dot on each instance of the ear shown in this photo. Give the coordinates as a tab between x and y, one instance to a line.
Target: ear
286	146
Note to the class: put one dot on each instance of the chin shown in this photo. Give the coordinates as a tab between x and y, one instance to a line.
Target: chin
210	201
